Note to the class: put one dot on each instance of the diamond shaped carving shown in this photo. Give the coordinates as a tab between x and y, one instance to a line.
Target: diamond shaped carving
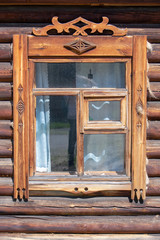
80	46
20	106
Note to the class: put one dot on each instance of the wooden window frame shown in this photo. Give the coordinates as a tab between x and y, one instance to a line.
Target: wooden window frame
30	49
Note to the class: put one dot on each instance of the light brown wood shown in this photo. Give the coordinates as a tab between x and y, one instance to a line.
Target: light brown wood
139	89
49	47
154	72
153	149
21	117
153	130
153	110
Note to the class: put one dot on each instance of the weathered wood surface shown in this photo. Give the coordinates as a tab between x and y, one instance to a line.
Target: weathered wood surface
5	148
5	91
21	236
80	224
154	55
153	187
153	110
5	72
6	110
77	206
5	52
153	168
153	130
6	129
154	72
6	167
43	14
153	148
154	94
6	186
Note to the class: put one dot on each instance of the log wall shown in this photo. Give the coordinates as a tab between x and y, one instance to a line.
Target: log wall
38	209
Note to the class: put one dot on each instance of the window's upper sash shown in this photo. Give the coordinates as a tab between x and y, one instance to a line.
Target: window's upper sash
93	46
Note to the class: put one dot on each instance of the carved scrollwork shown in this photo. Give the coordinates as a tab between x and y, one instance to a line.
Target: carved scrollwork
79	30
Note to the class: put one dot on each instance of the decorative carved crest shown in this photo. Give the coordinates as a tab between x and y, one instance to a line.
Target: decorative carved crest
80	25
80	46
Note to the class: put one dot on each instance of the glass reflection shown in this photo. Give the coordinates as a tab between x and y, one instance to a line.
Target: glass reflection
83	75
104	152
104	111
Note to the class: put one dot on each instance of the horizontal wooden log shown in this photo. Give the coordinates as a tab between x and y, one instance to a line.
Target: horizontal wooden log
5	72
6	186
153	130
80	224
5	91
5	52
79	206
154	187
6	167
154	72
153	168
5	148
153	149
154	92
25	14
153	34
6	129
21	236
6	110
153	110
154	55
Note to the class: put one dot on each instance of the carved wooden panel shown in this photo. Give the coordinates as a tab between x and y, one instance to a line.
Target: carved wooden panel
20	96
79	25
139	87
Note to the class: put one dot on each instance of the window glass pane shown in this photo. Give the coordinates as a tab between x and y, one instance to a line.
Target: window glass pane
104	111
56	133
104	152
81	75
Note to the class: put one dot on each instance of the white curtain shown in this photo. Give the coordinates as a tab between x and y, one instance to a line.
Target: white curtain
43	159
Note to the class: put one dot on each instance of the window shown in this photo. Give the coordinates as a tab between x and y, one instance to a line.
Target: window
79	112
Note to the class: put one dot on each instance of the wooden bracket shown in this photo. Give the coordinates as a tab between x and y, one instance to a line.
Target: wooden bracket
80	25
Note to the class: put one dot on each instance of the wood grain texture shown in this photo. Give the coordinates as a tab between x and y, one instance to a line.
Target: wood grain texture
5	72
154	55
6	186
43	14
154	72
6	167
154	187
154	95
153	168
153	110
5	52
5	148
6	130
6	110
118	206
5	91
153	130
153	149
80	224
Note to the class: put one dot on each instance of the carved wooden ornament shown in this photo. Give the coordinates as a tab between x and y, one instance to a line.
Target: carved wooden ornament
73	25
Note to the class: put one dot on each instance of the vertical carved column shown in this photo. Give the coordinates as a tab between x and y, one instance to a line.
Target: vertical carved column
139	86
21	118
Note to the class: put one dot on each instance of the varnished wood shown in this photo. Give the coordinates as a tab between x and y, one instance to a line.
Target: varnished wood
139	90
6	110
49	47
21	117
94	27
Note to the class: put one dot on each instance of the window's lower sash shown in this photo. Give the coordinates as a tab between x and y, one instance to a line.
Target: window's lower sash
87	189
